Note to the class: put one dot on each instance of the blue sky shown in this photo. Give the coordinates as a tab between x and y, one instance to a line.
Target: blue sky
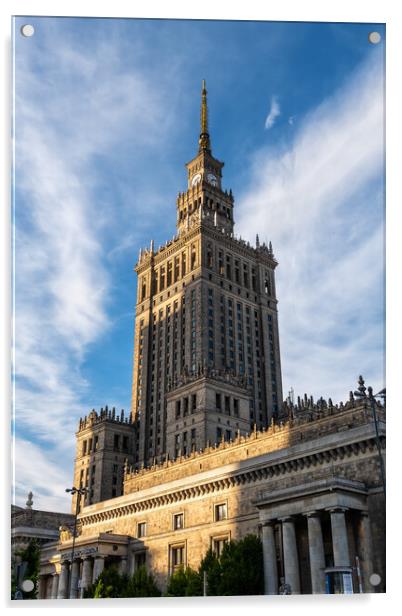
106	115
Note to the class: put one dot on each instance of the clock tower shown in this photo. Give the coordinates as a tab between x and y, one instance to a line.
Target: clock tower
204	177
206	352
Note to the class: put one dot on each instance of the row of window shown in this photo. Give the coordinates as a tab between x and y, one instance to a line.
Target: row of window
90	445
177	553
169	273
186	405
220	513
227	404
182	445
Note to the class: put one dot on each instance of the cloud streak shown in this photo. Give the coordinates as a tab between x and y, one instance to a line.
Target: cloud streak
274	112
71	108
320	201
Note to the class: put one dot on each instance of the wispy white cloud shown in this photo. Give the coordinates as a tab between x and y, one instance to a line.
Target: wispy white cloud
273	113
42	472
71	108
320	201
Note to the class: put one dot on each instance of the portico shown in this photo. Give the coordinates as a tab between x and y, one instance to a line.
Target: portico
323	524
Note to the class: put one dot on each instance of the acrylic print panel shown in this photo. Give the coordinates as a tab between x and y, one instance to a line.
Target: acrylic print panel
254	282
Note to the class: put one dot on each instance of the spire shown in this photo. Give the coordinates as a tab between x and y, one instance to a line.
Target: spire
204	141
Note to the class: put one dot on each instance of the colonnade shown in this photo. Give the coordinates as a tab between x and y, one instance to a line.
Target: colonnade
74	577
340	548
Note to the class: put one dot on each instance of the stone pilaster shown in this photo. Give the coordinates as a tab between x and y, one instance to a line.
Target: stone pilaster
123	565
55	586
339	537
269	555
75	574
63	580
366	550
42	582
290	556
98	567
316	553
87	573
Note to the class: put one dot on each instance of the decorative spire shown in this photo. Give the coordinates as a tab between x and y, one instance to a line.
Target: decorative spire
204	141
29	502
361	387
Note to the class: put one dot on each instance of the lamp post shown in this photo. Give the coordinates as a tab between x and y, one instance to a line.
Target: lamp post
361	393
79	492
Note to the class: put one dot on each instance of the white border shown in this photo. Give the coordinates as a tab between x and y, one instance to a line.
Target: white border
290	10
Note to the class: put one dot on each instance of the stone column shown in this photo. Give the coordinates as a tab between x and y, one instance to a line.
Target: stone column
75	574
123	565
63	580
366	550
290	557
339	537
86	579
55	586
98	567
131	561
269	554
316	553
42	586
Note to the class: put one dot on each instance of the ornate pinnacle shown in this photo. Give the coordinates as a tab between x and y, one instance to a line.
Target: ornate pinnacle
29	502
204	141
361	387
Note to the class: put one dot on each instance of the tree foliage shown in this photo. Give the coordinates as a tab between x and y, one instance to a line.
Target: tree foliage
185	583
30	555
113	585
237	571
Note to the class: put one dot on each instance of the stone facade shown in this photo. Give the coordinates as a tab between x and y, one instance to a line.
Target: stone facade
28	523
310	485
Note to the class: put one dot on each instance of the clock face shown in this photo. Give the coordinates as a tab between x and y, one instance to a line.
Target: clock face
212	179
196	179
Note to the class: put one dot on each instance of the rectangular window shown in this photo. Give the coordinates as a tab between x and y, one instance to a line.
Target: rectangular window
84	448
193	402
218	543
139	560
125	443
218	402
227	405
141	529
178	521
116	441
96	443
235	407
177	557
178	404
221	512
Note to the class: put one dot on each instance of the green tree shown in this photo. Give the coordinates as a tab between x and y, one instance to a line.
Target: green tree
142	584
211	565
112	584
31	556
185	583
109	585
242	568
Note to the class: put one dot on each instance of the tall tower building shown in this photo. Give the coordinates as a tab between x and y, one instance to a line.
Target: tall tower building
206	352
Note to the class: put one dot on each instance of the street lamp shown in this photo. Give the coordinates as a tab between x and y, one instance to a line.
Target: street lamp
361	393
79	492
